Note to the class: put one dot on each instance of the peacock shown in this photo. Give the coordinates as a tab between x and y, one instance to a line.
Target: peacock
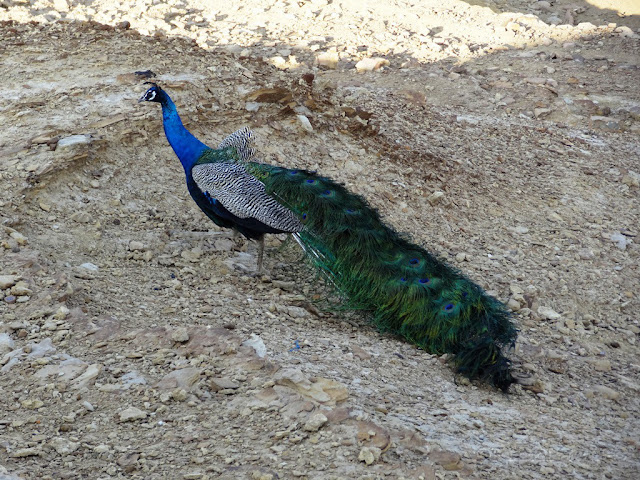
406	289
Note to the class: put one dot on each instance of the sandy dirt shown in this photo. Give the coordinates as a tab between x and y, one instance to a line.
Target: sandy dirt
137	341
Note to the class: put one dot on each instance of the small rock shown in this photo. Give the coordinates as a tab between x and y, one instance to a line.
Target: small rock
32	403
222	383
605	123
607	392
548	313
541	112
6	343
252	106
625	31
435	198
447	460
519	229
87	378
102	448
7	281
371	64
19	238
305	123
180	335
257	344
183	378
328	60
621	241
361	353
132	414
81	217
369	455
73	140
631	180
513	305
601	365
135	245
63	446
297	312
21	288
315	422
27	452
460	257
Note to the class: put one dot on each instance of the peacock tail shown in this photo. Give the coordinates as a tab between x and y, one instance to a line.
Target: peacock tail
406	289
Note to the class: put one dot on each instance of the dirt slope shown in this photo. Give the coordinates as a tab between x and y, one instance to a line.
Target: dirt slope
136	340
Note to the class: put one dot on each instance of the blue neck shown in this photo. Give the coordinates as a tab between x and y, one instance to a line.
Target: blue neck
187	147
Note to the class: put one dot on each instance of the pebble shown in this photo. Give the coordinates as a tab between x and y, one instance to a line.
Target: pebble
19	238
257	344
297	312
625	31
548	313
601	365
73	140
63	446
180	335
328	60
183	378
7	281
81	217
620	240
132	414
27	452
222	383
135	245
435	198
606	392
6	343
605	123
87	378
315	422
21	288
447	460
371	64
519	229
305	123
369	455
513	305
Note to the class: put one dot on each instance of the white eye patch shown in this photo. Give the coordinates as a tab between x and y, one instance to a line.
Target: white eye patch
151	95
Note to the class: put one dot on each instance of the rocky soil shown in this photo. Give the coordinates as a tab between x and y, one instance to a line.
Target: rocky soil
137	341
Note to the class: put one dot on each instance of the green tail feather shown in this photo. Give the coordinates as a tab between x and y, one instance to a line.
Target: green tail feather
407	289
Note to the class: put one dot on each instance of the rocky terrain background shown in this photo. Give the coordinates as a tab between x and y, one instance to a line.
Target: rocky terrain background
137	341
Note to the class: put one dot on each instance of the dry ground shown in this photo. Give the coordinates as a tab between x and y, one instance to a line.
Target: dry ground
135	339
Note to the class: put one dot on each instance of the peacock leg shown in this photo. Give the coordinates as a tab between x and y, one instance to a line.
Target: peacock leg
260	253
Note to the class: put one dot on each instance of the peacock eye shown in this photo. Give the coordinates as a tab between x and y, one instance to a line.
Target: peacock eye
424	280
304	216
414	261
311	180
448	307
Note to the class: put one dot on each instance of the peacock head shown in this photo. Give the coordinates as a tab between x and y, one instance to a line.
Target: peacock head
154	94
